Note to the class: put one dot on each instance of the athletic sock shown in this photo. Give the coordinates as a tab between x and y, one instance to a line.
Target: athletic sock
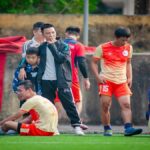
127	125
107	127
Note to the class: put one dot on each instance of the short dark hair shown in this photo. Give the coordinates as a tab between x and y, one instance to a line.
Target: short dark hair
73	30
122	32
32	50
47	25
27	84
38	25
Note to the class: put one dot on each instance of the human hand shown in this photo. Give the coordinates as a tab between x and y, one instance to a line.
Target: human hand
52	40
129	82
22	74
86	83
101	79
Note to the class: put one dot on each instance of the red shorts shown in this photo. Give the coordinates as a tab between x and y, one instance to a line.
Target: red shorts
75	87
31	130
110	88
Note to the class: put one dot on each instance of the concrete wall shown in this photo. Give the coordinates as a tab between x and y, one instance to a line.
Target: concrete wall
100	30
100	27
91	105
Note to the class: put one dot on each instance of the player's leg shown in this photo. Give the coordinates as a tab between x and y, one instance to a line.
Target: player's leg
125	105
66	98
59	106
9	125
48	89
123	94
124	102
77	95
105	92
32	130
105	103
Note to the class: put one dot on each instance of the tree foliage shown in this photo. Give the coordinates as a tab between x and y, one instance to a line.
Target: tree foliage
46	6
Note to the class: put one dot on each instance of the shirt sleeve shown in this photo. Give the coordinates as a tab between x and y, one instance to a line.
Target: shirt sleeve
98	52
28	105
24	48
80	50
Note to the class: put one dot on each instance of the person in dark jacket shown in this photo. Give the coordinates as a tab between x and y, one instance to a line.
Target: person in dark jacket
55	74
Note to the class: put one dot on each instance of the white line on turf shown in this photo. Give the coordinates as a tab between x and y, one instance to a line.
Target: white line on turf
76	143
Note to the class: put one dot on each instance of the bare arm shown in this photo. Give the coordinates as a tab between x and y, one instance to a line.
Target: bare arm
129	73
27	120
12	117
94	67
86	83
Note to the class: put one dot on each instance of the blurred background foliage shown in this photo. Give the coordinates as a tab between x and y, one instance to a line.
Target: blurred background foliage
54	7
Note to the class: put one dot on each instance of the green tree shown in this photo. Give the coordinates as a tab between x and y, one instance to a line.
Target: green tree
46	6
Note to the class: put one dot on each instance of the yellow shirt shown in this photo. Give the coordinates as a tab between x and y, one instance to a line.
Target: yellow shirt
43	112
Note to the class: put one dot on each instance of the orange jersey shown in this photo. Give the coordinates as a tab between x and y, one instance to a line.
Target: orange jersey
113	61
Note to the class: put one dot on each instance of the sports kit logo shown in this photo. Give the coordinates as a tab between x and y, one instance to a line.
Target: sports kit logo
105	88
125	53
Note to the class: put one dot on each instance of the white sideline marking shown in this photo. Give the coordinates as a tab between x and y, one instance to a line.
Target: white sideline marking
76	143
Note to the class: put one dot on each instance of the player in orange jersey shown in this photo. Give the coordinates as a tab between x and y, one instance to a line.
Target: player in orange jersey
115	78
43	117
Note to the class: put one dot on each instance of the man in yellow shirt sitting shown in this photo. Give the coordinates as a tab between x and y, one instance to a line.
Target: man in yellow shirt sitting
43	118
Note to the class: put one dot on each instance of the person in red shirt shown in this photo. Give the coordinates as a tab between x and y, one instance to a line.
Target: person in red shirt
78	60
115	78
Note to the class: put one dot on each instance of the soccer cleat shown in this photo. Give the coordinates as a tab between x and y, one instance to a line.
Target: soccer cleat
83	126
132	131
78	131
108	132
11	132
57	132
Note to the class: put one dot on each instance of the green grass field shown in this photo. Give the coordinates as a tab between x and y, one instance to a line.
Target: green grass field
73	142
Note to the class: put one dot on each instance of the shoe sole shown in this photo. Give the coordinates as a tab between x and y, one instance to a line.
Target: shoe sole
134	133
83	127
80	134
107	134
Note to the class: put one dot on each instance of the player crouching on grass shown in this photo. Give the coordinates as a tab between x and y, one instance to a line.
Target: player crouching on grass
43	117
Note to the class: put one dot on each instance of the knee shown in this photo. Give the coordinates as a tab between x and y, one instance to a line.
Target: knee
126	106
106	107
5	126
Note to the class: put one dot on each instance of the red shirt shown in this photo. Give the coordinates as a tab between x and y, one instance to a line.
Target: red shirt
77	50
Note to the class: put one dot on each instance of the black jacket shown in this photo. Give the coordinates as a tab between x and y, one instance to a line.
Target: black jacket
61	54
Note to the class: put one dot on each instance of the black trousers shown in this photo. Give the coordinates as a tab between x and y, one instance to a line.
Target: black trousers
49	89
